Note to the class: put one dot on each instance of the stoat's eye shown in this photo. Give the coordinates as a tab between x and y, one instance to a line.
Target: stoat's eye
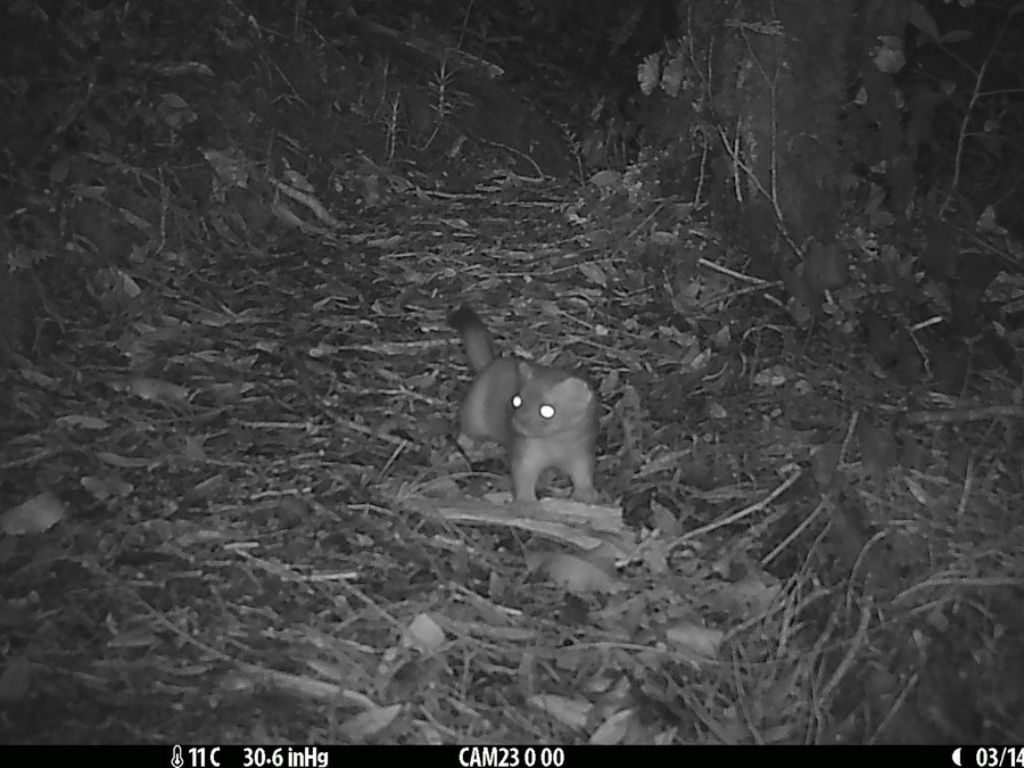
547	411
517	401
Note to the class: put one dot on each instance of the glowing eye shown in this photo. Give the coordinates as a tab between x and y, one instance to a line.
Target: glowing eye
547	411
517	401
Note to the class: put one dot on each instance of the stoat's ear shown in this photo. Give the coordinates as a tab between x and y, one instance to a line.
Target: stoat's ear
525	370
574	390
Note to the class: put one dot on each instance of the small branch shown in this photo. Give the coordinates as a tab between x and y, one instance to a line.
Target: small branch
975	95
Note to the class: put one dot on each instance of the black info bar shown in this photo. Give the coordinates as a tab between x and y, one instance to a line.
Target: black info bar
505	756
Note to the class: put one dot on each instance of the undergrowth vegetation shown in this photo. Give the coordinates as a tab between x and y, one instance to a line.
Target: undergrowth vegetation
232	508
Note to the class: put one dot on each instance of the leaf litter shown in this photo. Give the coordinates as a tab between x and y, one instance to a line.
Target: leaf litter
270	540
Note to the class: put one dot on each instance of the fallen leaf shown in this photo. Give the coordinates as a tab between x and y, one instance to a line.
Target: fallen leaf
38	514
918	492
571	712
573	573
163	530
15	680
124	462
773	376
369	723
39	379
823	464
291	511
747	597
214	319
722	339
606	179
614	729
655	554
83	422
193	450
664	519
206	489
102	488
594	274
323	351
681	211
779	734
14	616
987	221
700	640
717	411
135	638
339	673
229	391
423	634
298	181
228	166
237	682
877	447
156	389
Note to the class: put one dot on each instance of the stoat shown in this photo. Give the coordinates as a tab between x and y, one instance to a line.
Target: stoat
543	416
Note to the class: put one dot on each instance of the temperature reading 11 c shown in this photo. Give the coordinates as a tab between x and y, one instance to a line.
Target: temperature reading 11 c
195	757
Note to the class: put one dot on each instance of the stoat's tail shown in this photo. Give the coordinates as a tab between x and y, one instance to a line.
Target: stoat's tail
475	336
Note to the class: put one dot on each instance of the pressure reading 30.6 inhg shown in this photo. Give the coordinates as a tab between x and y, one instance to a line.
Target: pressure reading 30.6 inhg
283	757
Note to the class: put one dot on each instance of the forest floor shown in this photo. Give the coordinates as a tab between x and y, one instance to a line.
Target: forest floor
236	513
